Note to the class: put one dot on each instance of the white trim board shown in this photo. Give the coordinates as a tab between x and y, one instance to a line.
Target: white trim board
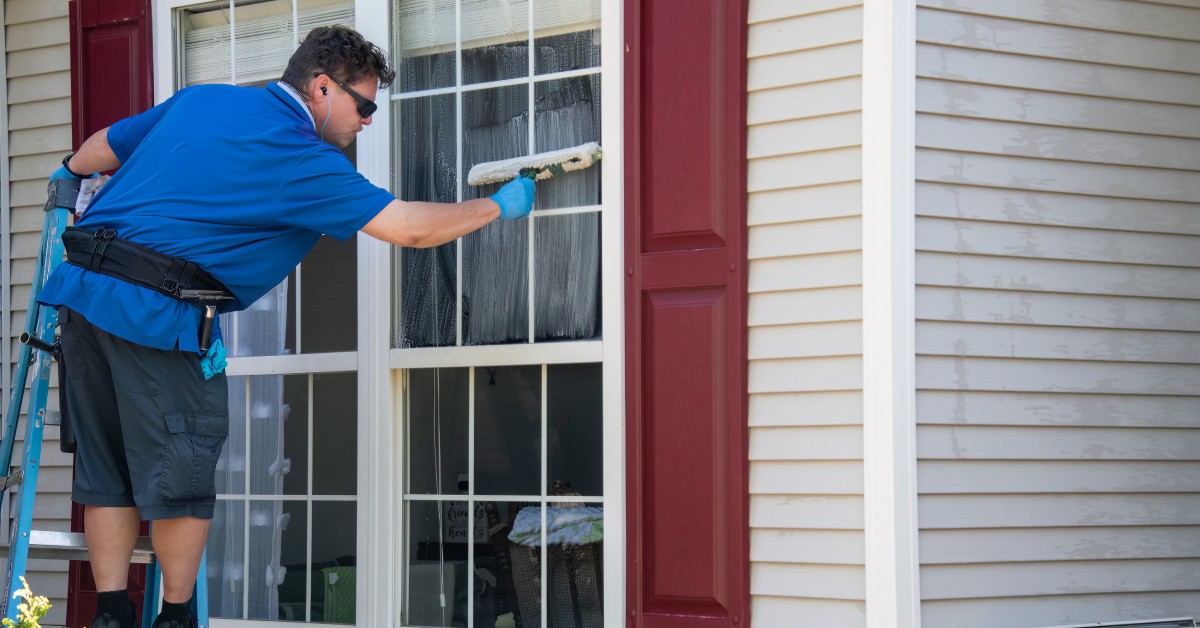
889	360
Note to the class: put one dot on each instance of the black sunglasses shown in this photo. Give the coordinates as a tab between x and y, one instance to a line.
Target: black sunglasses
366	108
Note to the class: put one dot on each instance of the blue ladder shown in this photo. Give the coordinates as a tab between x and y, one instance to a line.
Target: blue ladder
24	542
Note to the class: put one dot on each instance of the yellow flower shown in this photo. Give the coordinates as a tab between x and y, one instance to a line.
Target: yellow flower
31	611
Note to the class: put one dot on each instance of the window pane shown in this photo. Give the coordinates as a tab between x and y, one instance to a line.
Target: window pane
428	158
574	420
427	310
568	114
335	429
572	51
268	417
495	126
278	538
436	569
262	328
437	430
294	469
496	284
574	578
497	62
231	466
335	559
567	267
572	554
329	297
226	556
499	585
424	29
508	430
264	33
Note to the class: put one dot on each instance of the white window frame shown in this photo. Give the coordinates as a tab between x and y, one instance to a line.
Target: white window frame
387	586
166	66
379	367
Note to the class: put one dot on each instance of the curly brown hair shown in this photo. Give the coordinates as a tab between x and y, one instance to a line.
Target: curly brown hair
342	53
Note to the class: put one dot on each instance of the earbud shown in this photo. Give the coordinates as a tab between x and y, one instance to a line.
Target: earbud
324	90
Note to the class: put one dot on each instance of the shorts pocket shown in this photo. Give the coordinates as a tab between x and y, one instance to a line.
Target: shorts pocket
189	460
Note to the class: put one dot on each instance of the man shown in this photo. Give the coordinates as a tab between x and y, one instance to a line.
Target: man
227	188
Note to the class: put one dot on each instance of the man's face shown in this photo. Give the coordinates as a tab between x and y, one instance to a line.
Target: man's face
345	122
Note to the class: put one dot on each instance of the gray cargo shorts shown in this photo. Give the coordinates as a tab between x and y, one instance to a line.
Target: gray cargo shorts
148	427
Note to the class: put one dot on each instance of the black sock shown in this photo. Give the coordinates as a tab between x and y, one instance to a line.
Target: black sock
116	604
174	612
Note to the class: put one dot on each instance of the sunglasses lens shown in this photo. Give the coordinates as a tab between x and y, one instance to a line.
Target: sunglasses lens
366	108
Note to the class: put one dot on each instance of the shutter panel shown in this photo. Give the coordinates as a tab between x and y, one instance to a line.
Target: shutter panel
111	72
686	392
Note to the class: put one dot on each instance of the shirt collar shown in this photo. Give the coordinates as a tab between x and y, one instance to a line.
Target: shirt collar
291	91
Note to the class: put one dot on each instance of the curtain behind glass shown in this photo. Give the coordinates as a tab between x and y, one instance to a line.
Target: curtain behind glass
260	330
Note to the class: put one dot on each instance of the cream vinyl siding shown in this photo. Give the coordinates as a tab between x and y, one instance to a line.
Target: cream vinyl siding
1058	311
805	313
37	41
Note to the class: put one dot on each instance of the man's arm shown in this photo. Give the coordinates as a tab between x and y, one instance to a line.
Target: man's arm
421	225
95	155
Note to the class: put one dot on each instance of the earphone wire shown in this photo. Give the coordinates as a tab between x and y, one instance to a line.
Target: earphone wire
328	110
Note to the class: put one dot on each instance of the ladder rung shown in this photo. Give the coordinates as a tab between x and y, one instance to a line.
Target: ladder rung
73	546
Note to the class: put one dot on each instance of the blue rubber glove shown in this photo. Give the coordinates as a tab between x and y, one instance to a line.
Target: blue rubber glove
214	361
62	173
515	198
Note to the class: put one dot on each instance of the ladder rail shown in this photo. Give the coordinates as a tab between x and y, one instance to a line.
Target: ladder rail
40	323
52	225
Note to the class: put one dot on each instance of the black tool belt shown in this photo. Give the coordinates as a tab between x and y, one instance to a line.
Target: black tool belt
103	252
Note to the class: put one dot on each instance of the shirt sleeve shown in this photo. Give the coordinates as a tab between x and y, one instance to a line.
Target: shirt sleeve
326	194
125	135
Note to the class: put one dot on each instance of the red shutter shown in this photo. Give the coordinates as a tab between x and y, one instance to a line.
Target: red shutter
688	531
111	78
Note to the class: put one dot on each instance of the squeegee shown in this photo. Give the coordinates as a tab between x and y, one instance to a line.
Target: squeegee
540	166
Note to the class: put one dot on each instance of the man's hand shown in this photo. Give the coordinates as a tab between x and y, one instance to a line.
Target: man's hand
62	173
515	198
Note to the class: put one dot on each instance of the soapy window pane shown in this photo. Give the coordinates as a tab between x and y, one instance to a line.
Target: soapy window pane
495	258
567	112
567	277
572	51
427	158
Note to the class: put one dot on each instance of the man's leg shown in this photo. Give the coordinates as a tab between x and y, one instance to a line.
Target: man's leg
178	546
111	535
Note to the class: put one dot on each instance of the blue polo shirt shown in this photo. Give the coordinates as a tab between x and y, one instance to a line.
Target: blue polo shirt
234	179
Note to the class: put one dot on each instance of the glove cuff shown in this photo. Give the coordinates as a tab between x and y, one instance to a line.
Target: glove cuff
68	168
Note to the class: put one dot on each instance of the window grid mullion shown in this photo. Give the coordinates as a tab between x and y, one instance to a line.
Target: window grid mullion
544	549
552	499
532	131
308	525
299	319
233	42
471	492
475	87
458	178
246	509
